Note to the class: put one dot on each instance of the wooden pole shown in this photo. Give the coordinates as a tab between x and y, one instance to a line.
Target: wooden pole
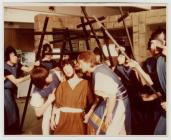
67	34
92	30
30	85
127	32
107	45
86	35
123	52
42	38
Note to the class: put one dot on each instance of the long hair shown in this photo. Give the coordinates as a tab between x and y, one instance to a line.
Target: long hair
46	49
68	62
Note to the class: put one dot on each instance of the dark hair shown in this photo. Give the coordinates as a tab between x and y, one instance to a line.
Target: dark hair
97	51
154	36
38	76
67	62
8	51
157	32
46	49
88	57
149	44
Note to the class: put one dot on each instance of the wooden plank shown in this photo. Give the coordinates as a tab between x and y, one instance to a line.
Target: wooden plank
105	37
86	34
90	22
92	30
30	86
42	38
62	52
67	34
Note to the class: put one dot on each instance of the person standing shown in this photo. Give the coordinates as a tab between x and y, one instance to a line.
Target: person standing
115	103
45	83
73	96
12	70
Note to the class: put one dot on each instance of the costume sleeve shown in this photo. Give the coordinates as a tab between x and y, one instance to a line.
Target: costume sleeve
105	84
7	72
36	100
48	90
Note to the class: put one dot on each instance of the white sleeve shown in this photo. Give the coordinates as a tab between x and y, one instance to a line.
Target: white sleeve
36	100
105	84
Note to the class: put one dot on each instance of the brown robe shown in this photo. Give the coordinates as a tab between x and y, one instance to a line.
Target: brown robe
79	97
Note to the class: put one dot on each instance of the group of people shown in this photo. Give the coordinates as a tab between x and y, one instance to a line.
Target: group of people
89	96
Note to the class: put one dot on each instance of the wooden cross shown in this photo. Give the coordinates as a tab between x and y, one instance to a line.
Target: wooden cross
30	85
92	30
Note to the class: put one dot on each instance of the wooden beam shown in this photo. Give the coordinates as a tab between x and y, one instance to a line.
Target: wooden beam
62	52
74	38
30	85
127	32
90	22
67	34
86	34
65	53
94	34
42	38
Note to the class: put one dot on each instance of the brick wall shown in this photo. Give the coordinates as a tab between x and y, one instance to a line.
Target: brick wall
140	23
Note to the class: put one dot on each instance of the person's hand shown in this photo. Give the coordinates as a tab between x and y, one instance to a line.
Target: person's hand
37	63
86	117
164	52
132	63
51	97
108	119
147	97
163	105
52	123
156	43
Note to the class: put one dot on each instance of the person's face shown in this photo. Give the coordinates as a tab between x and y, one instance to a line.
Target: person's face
84	66
68	70
161	38
98	58
121	59
48	56
13	58
49	79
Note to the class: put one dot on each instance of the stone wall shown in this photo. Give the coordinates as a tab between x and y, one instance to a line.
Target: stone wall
140	23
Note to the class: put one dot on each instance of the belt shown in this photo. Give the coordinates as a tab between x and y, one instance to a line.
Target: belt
70	109
65	109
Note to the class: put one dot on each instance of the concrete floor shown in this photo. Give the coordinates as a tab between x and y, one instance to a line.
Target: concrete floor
32	125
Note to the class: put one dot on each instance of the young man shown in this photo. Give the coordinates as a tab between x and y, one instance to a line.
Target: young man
73	96
108	86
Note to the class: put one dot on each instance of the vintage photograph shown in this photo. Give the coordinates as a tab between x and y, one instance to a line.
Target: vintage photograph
85	69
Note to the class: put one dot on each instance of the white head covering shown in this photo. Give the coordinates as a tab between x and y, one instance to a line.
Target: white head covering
112	50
